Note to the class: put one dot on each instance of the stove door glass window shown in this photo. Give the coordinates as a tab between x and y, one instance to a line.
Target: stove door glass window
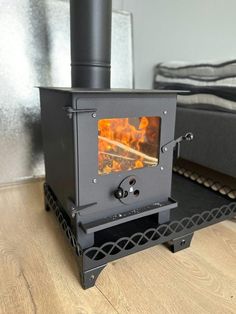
128	143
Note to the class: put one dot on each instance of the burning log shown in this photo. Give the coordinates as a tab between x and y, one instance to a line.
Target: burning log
116	156
150	163
129	149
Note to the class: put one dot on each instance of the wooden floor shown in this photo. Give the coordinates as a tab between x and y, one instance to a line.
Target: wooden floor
38	271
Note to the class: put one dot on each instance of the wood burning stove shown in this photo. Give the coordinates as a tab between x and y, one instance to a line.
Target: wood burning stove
108	153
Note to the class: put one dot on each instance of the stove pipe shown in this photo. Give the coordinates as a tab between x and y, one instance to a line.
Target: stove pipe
90	43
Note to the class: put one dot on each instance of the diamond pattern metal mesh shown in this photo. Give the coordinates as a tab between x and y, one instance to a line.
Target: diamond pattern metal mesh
51	201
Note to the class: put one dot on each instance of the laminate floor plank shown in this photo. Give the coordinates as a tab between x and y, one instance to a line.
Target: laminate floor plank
37	267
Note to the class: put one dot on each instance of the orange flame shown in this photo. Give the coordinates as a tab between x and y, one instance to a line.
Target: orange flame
126	144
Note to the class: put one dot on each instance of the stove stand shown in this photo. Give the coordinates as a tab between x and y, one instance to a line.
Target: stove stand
181	243
116	242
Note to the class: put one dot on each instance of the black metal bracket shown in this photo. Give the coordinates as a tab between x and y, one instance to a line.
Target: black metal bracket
181	243
88	277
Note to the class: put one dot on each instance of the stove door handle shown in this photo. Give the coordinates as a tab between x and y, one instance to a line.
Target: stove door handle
175	144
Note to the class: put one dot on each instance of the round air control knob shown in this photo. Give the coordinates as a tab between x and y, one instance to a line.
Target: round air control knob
129	190
119	193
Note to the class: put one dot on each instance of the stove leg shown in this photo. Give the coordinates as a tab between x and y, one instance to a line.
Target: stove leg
181	243
163	217
88	278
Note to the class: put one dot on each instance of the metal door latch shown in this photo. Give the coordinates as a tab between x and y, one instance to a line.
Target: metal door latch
70	111
175	144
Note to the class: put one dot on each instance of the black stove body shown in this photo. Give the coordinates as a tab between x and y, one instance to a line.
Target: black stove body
93	164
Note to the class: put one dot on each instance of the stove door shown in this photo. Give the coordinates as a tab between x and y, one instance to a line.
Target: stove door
120	162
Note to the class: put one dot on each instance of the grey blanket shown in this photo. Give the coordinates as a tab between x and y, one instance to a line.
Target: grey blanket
209	86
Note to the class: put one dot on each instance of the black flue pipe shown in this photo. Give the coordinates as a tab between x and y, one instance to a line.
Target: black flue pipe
90	43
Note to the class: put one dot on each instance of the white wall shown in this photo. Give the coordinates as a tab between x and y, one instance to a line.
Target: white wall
191	30
117	4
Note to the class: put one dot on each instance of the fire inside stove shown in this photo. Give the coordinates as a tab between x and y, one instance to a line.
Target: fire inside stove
128	143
